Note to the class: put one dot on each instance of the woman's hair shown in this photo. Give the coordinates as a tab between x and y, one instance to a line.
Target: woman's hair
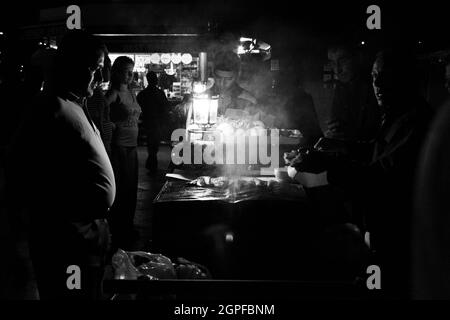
106	71
116	70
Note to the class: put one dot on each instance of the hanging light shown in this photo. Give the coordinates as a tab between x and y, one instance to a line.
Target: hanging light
205	109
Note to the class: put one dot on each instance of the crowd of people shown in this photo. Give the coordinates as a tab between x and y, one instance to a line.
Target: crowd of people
82	199
83	142
375	138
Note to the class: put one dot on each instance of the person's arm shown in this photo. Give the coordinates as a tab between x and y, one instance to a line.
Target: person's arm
306	179
341	170
95	181
96	109
110	97
246	101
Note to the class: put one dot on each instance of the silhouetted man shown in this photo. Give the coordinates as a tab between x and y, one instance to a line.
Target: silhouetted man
155	109
231	95
69	182
353	114
382	186
405	121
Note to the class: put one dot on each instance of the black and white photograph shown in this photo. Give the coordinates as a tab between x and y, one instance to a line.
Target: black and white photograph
224	158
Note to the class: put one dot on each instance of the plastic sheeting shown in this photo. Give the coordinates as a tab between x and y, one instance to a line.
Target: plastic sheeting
237	190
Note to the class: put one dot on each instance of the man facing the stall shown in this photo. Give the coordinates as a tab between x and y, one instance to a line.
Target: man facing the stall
70	182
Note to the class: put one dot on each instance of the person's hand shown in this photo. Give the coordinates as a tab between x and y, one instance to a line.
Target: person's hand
310	161
290	156
292	172
307	179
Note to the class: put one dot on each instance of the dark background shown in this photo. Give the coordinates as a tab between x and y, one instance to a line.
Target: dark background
298	31
400	19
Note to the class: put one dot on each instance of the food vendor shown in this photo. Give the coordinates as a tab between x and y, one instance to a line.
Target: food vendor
231	95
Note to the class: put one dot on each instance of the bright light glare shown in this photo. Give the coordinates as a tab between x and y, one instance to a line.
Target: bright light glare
199	87
229	237
244	39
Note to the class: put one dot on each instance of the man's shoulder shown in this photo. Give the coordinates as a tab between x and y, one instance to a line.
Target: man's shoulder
59	118
146	92
65	111
64	107
152	93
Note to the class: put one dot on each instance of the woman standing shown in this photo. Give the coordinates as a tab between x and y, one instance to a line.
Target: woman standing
124	112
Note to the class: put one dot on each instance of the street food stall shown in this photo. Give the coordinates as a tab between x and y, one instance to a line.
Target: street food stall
229	205
278	196
229	219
